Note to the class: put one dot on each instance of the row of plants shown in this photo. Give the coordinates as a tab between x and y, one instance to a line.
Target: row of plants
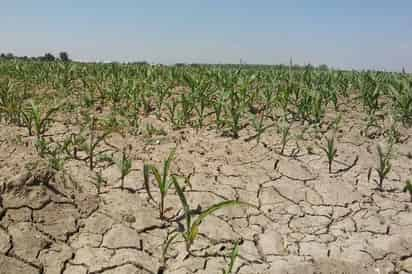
205	97
98	100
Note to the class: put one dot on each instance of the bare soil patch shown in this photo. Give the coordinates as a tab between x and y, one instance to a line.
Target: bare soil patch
307	221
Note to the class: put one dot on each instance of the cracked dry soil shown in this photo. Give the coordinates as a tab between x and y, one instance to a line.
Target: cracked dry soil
307	221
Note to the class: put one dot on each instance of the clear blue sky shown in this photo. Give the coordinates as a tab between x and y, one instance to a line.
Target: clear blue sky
340	33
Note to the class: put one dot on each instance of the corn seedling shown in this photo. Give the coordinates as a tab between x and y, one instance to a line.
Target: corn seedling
257	122
55	157
317	108
403	106
303	100
11	102
41	146
200	90
235	112
330	151
125	166
72	144
113	123
268	96
168	242
145	100
135	105
172	113
218	106
371	123
94	140
162	92
370	94
394	135
186	108
164	181
384	165
284	130
151	130
191	231
40	121
53	152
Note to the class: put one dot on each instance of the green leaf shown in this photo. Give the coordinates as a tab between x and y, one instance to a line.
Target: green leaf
233	255
192	233
156	173
195	226
168	184
166	165
166	246
46	118
183	200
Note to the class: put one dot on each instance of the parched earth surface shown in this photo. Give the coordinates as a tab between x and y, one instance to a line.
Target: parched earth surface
307	220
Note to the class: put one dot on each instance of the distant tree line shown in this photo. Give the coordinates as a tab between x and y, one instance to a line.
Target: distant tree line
255	66
47	57
64	57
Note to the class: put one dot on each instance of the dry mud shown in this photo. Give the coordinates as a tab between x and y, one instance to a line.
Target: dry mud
307	221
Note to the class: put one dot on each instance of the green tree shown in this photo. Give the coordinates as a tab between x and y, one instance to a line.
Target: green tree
64	56
48	57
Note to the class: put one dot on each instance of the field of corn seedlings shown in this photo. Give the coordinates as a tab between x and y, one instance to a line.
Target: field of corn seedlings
116	168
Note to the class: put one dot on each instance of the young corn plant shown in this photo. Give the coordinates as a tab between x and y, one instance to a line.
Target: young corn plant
257	122
53	152
371	91
56	157
125	167
94	140
187	107
172	113
191	230
372	125
304	104
162	92
234	110
41	146
284	130
151	130
164	181
393	133
146	102
135	104
268	94
218	106
402	104
199	88
330	150
168	242
384	165
34	118
72	144
11	102
317	110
